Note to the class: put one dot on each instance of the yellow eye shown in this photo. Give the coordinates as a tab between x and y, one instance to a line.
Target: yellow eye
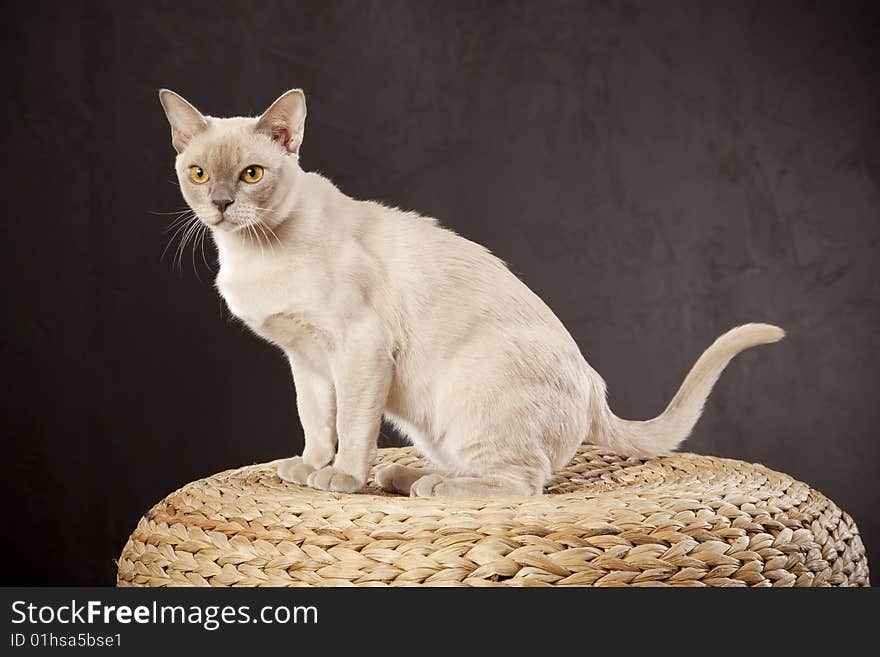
198	175
252	174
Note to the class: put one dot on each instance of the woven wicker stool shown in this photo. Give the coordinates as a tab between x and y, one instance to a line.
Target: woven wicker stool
681	520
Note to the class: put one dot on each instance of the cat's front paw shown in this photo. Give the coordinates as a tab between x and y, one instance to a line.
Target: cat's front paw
427	486
294	470
332	479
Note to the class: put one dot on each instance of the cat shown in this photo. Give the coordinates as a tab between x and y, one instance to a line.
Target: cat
383	312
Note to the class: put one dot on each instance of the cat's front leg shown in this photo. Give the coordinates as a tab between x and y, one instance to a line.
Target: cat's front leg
316	405
363	368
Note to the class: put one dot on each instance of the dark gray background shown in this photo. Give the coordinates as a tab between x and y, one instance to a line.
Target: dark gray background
658	172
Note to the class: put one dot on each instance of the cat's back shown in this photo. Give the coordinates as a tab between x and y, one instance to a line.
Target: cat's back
452	286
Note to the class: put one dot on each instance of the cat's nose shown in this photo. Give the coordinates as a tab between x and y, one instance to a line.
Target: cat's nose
222	204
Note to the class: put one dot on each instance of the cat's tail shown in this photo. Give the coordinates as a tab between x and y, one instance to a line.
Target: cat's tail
666	431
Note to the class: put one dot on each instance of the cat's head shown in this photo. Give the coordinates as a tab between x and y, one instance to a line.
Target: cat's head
237	172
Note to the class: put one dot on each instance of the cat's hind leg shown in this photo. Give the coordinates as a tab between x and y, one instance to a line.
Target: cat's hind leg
396	478
487	466
516	481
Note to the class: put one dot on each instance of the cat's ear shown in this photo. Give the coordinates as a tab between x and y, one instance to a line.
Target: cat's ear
285	120
186	121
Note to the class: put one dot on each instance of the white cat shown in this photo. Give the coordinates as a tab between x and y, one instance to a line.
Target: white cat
384	312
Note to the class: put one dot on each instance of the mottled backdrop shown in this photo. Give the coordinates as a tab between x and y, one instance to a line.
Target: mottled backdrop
658	172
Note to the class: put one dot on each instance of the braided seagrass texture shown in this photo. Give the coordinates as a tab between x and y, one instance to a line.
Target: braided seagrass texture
680	520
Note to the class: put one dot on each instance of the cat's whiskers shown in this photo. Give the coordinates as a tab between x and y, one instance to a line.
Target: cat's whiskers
272	232
181	211
179	221
204	231
268	242
180	230
196	234
188	229
182	227
247	233
267	226
188	226
253	231
193	227
200	238
195	238
182	216
179	248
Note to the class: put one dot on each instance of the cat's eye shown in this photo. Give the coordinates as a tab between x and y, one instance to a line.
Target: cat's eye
198	175
252	174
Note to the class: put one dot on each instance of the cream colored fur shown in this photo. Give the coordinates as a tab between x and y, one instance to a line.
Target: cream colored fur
385	313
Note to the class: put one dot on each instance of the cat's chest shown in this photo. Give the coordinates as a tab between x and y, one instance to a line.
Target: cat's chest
278	303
